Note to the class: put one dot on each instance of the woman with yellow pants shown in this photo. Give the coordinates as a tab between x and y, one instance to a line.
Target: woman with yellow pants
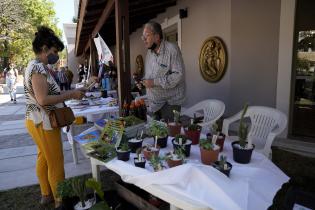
42	95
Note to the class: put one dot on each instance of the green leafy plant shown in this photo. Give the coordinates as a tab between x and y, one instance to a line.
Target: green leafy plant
243	128
180	136
124	147
176	116
97	187
156	162
79	188
194	127
206	144
176	154
157	128
64	189
222	162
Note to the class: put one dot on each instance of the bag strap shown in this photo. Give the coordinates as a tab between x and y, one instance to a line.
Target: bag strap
68	127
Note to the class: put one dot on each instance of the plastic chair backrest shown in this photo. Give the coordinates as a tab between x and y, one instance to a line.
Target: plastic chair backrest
212	110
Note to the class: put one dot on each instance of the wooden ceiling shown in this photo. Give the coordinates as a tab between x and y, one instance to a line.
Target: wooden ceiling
91	12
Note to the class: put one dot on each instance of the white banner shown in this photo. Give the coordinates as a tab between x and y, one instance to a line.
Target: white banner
104	54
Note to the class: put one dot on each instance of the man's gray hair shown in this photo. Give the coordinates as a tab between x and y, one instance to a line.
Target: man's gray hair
155	28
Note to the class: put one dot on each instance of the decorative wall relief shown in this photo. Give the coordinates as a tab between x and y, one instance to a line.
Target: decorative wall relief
213	59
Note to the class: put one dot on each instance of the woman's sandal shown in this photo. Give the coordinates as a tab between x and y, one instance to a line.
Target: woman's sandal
46	199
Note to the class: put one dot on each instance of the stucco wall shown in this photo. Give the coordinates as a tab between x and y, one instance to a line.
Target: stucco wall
250	30
254	59
73	62
205	19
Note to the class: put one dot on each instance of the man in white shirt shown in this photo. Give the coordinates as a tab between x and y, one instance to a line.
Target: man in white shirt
164	73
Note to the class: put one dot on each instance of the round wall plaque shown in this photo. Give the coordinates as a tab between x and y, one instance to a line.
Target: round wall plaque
212	59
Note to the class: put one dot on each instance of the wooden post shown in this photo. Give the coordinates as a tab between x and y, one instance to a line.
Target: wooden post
123	51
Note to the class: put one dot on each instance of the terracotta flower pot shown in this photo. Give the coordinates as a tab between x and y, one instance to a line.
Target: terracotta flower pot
194	136
148	154
209	156
174	128
172	163
220	141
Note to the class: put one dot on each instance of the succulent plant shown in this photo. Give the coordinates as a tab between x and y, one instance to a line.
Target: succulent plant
243	129
156	162
176	116
180	136
206	144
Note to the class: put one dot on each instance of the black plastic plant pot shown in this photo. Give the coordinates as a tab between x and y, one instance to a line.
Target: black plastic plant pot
216	165
123	155
241	155
162	142
187	147
134	145
139	164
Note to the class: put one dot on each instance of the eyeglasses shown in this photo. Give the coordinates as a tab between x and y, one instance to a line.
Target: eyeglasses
145	36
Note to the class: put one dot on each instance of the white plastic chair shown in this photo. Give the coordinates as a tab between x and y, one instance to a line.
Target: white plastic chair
212	110
266	123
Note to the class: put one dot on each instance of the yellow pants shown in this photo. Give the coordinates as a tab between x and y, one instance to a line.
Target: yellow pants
49	164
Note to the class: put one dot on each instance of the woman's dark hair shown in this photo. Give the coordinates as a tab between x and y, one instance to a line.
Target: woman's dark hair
46	36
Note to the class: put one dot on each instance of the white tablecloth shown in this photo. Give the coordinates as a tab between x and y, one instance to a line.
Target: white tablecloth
250	186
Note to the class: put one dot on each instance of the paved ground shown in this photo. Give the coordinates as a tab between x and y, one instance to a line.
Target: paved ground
18	151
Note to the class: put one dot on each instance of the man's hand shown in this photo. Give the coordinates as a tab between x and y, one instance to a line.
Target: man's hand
148	83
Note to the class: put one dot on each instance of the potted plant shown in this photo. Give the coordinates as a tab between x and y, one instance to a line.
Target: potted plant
96	186
209	151
181	141
174	128
223	166
156	162
193	132
139	161
65	192
123	152
79	189
243	148
135	143
149	151
175	158
217	130
159	130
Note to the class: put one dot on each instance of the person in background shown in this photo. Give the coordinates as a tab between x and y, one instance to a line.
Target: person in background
164	73
80	73
43	95
62	77
11	81
69	75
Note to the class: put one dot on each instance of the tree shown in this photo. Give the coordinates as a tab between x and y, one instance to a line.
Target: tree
19	22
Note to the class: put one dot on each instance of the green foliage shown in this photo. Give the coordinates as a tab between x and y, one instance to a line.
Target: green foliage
18	23
178	153
96	186
79	188
64	188
243	128
156	162
124	147
222	161
131	120
206	144
194	127
158	129
183	137
303	64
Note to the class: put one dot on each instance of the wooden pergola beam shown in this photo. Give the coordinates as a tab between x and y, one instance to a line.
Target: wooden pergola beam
122	51
80	23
